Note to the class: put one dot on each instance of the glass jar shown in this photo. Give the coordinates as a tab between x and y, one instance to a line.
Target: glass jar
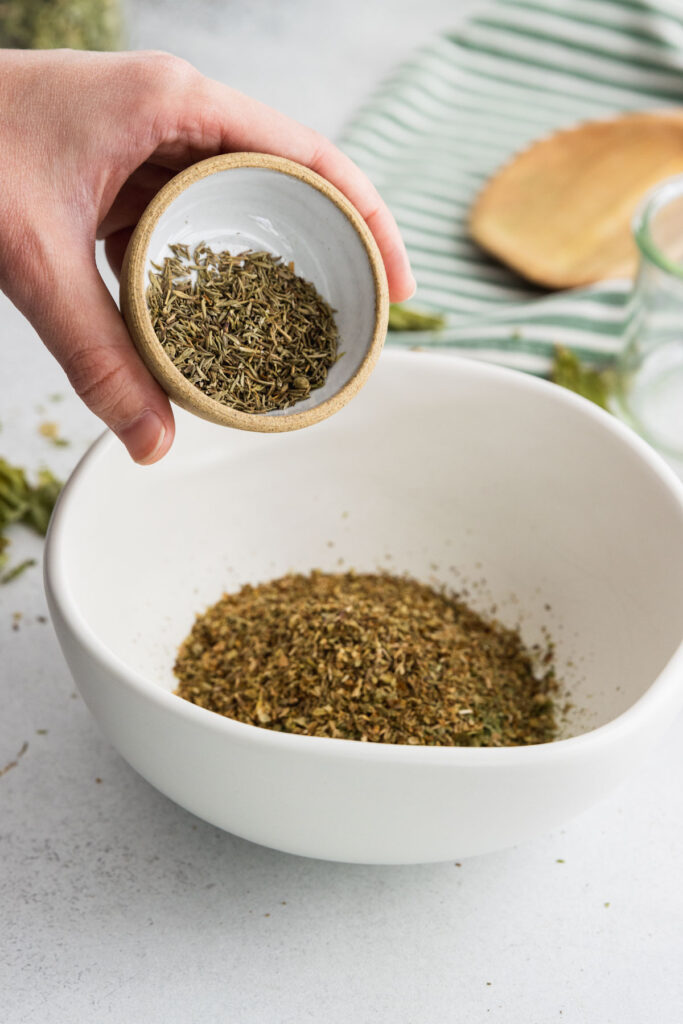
649	386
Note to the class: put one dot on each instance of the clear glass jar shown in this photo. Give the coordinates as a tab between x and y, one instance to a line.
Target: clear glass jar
649	387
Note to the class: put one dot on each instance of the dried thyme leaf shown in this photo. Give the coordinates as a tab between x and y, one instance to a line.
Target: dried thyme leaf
404	318
245	330
17	570
41	501
51	432
378	658
569	372
17	759
4	544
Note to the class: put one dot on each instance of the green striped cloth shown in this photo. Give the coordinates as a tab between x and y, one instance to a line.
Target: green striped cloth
451	115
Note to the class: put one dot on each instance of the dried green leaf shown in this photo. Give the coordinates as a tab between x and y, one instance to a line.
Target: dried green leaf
404	318
17	570
23	502
569	372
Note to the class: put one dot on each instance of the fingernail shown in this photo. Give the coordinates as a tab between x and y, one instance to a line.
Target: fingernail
414	286
144	437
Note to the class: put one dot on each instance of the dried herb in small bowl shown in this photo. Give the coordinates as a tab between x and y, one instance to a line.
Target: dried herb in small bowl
245	329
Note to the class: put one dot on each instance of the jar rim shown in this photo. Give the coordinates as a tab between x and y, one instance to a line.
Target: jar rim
652	202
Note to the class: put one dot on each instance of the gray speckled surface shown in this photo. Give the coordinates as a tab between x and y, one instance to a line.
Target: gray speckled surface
118	906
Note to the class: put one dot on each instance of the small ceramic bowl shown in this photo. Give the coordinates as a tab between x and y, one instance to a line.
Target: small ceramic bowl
528	497
242	201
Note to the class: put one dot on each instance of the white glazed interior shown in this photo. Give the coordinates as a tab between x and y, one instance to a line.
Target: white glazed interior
256	208
529	497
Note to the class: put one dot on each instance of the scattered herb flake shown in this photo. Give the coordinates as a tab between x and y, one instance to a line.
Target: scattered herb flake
16	571
14	763
50	430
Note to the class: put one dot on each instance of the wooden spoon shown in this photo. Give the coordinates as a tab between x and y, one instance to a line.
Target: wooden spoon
560	212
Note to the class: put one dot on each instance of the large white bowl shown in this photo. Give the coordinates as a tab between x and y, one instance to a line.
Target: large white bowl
448	469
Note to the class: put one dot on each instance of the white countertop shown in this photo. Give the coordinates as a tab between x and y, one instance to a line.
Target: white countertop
118	906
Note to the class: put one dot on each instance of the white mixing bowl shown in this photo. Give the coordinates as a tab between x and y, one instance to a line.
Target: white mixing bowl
531	498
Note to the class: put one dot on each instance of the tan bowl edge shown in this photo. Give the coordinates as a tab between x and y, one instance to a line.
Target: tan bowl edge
136	314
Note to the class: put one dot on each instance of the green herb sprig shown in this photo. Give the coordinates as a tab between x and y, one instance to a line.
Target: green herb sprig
569	372
23	502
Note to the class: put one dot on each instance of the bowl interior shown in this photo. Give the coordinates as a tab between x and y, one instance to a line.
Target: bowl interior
258	208
483	479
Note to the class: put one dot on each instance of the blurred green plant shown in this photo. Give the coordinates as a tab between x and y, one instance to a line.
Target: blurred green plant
53	24
405	318
569	372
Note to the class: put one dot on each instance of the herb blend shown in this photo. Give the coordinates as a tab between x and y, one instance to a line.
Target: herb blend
366	657
245	330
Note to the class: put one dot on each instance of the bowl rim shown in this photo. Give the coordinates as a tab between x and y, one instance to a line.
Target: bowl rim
138	321
648	706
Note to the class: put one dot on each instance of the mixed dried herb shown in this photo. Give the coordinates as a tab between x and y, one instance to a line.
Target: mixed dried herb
23	502
371	657
245	329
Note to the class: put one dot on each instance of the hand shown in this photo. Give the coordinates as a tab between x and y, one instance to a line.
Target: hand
87	140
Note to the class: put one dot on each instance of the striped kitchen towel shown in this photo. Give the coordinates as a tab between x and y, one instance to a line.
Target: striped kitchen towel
451	115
